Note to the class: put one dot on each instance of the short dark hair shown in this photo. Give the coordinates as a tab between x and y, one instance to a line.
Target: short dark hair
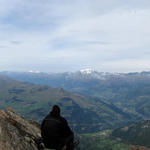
55	110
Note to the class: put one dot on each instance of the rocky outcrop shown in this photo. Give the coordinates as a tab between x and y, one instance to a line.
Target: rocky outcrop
139	148
17	133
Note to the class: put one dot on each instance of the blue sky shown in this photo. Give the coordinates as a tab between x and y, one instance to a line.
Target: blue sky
68	35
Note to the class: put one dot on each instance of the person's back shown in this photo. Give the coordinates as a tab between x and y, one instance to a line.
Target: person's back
55	131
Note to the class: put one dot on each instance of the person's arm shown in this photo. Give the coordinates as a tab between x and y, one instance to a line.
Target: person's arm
42	124
66	129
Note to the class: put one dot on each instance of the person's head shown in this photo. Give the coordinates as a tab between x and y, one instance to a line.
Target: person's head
55	110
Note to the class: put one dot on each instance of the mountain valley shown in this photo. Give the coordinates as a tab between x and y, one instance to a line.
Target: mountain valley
128	91
107	111
83	113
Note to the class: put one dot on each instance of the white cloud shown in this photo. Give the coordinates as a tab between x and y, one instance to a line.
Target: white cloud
127	65
69	35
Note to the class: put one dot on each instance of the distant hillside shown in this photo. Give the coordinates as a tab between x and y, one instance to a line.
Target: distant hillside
84	113
133	137
105	141
136	134
130	91
101	141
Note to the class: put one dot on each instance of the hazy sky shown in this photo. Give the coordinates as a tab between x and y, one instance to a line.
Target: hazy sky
68	35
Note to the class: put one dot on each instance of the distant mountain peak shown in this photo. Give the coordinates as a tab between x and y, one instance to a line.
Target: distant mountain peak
87	71
32	71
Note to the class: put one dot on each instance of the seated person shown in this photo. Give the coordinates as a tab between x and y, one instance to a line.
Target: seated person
55	131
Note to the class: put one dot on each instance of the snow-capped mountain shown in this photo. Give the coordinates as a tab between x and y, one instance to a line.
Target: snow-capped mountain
32	71
87	71
83	74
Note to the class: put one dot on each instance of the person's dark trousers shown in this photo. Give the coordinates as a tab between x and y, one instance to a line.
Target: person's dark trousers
59	143
68	142
53	143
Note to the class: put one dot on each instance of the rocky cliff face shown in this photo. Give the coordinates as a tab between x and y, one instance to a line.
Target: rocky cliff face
17	133
139	148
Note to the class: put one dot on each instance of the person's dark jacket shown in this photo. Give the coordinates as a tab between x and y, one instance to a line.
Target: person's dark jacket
54	130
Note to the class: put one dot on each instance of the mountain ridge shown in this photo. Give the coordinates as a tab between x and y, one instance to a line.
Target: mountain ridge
127	91
83	113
